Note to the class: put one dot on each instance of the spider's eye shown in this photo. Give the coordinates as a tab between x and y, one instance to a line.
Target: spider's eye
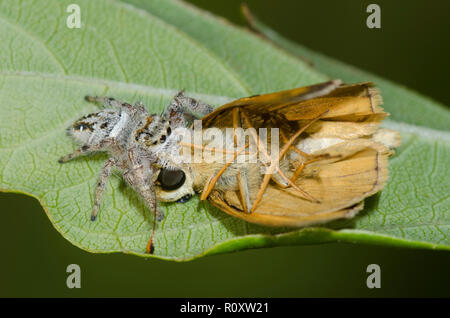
81	127
171	179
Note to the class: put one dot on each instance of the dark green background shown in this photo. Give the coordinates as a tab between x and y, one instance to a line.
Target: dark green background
411	48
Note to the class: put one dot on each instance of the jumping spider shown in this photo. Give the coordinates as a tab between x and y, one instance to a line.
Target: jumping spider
141	145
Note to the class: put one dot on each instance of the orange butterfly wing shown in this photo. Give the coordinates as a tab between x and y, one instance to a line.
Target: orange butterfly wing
349	171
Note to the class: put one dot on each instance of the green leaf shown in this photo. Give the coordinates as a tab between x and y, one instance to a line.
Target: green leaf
148	50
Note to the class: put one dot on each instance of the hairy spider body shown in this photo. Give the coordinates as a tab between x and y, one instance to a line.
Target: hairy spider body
140	144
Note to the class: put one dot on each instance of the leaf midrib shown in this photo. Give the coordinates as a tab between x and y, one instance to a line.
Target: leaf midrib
132	87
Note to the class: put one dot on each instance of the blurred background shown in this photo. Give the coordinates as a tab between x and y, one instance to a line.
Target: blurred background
411	48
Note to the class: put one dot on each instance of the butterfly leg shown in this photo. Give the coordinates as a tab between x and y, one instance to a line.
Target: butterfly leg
274	166
293	147
242	174
244	191
302	166
209	185
289	144
212	180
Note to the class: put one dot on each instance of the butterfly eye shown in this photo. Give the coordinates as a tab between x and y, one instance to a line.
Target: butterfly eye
171	179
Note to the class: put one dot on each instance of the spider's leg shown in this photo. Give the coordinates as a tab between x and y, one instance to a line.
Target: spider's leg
140	180
134	178
105	101
85	149
115	103
140	107
106	172
183	109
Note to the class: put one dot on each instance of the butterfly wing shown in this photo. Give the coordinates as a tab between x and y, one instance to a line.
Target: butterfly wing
351	164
